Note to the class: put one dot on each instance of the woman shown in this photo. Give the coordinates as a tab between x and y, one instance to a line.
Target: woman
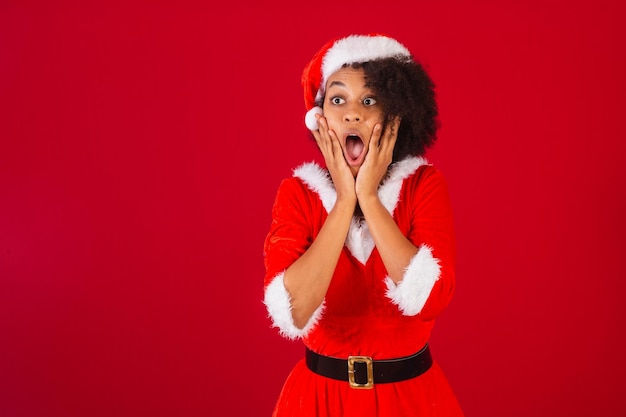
360	254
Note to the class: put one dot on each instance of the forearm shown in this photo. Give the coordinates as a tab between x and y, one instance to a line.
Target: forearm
308	278
395	250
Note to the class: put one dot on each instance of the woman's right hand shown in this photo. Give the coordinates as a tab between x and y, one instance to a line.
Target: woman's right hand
331	149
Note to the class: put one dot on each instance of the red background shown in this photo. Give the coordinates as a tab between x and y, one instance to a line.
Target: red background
141	145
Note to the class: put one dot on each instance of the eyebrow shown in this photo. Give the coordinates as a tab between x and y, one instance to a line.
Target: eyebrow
339	83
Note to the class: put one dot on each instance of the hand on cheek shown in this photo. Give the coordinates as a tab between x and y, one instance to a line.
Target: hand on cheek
333	154
378	158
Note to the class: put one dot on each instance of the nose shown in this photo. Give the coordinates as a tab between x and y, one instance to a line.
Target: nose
352	114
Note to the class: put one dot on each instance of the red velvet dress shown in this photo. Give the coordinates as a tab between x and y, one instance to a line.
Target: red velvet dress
364	312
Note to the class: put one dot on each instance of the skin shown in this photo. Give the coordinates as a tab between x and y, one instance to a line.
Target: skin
349	108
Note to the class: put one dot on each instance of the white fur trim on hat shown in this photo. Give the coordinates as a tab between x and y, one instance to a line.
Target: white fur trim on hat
278	303
411	294
309	119
358	48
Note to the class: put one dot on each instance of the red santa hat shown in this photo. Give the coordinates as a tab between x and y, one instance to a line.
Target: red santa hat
337	53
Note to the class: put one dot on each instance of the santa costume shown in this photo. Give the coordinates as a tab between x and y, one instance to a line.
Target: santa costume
366	345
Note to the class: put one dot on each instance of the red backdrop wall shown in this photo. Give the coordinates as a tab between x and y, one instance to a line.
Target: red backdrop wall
141	145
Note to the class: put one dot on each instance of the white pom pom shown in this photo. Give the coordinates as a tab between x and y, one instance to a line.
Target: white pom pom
309	120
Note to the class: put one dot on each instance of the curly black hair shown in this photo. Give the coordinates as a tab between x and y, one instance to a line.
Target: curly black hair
404	90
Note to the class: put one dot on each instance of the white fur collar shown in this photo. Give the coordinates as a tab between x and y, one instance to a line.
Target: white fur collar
359	241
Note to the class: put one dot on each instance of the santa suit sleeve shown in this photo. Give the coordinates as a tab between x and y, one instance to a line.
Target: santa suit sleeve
429	279
291	233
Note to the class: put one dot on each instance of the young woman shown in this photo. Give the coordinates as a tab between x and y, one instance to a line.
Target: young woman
360	253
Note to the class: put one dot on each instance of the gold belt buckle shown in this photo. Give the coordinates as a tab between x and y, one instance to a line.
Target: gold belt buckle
370	372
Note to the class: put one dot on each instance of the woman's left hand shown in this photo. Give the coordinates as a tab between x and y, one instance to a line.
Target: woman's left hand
377	161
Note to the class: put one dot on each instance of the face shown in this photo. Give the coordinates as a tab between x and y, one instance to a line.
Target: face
351	111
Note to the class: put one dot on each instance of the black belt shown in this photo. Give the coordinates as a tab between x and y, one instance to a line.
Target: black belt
363	372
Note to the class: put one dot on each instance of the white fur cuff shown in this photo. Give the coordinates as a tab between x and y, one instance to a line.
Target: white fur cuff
278	304
411	294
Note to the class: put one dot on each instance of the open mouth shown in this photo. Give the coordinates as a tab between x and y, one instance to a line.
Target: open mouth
354	147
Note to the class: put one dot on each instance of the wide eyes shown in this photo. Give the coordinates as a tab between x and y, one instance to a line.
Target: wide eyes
368	101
